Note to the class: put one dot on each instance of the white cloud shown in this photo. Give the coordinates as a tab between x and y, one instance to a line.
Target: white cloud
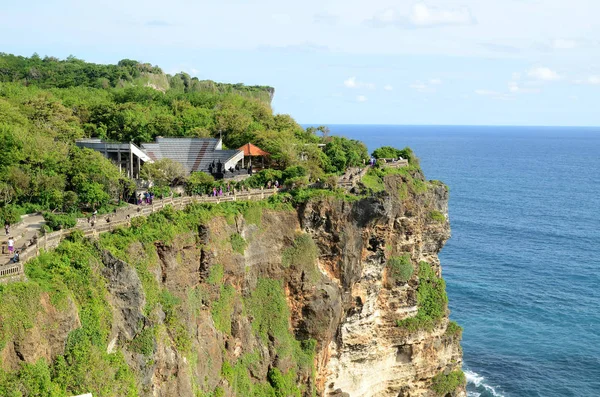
422	16
388	87
486	92
544	74
361	98
494	94
565	44
351	82
591	80
419	86
516	88
428	86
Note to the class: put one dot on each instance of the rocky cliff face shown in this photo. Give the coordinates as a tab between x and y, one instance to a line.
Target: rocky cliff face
369	354
284	302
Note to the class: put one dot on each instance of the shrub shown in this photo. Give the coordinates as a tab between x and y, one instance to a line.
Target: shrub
302	254
262	177
437	216
238	244
58	221
160	191
294	172
432	301
454	329
215	275
199	183
143	342
222	309
400	269
9	214
297	182
444	384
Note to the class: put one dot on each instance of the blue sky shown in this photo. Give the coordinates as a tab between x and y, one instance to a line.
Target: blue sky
488	62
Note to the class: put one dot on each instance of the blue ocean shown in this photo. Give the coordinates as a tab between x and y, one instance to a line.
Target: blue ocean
523	264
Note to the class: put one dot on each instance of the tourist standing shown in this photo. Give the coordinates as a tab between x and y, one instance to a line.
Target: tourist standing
11	245
6	227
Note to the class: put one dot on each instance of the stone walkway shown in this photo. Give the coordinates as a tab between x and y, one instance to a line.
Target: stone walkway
22	233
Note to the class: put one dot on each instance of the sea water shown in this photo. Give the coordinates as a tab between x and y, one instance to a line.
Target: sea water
523	264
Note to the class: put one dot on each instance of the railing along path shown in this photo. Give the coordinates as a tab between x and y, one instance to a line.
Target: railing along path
120	217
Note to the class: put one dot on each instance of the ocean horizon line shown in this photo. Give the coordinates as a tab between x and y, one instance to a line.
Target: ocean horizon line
454	125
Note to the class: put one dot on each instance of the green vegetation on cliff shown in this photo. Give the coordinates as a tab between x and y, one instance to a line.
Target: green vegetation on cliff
400	268
432	301
444	384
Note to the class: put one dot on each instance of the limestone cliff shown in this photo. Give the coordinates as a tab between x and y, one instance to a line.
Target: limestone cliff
271	300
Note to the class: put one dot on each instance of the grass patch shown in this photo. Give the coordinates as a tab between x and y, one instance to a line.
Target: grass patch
268	307
143	342
253	214
373	182
216	274
278	385
222	309
303	195
20	305
432	301
302	255
400	268
454	329
437	216
72	270
443	384
238	243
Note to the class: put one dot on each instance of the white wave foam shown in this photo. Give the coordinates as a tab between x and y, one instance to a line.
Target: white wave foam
479	381
473	394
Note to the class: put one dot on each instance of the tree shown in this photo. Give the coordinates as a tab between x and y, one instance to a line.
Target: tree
164	172
389	152
90	174
199	183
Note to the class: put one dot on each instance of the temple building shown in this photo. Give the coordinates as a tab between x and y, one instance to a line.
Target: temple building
195	154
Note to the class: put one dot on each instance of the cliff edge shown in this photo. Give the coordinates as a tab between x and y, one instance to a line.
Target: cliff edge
333	295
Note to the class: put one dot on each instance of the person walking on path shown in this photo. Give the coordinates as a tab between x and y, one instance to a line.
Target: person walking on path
11	245
7	227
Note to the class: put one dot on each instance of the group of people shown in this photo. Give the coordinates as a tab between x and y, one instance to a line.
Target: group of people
271	184
218	168
219	192
147	198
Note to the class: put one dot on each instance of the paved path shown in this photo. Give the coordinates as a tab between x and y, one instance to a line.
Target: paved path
22	234
25	231
352	176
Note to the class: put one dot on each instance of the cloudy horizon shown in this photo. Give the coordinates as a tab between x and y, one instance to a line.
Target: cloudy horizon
512	62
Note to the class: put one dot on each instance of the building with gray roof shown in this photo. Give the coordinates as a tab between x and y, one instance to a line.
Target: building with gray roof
195	154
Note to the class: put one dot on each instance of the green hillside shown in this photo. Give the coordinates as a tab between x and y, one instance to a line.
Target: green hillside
47	103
